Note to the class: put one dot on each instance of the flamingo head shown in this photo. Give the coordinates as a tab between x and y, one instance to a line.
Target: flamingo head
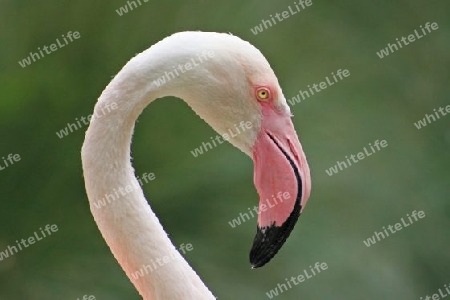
236	92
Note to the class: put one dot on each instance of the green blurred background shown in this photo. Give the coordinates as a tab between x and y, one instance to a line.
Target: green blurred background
195	198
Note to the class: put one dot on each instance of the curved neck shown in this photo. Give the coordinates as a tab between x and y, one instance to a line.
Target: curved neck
125	219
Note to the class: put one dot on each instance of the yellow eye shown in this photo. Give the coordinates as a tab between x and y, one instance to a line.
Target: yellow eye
263	94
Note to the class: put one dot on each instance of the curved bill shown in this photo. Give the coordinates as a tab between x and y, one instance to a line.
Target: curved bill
282	179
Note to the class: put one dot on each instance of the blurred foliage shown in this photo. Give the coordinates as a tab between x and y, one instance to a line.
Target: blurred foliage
196	197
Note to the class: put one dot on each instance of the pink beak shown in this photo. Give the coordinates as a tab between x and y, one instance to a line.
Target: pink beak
283	182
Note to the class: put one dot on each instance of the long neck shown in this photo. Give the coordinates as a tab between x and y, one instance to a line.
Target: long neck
125	219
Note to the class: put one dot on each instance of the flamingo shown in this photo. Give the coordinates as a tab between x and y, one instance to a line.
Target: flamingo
234	84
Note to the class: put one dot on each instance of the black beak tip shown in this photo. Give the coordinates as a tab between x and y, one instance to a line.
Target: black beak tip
257	262
269	240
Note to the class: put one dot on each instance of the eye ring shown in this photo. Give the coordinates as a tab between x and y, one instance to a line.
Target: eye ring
263	94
